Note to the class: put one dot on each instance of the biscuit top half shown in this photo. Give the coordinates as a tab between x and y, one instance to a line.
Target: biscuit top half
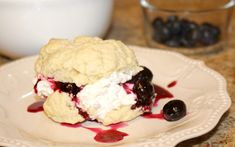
84	60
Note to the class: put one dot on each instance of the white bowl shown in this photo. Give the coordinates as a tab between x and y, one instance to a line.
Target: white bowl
26	25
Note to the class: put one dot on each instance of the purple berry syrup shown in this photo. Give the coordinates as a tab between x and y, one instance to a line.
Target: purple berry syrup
36	107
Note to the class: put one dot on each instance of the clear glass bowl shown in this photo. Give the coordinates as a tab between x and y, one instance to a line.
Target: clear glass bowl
187	26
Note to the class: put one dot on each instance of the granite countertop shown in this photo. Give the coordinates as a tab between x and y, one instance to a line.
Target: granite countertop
127	26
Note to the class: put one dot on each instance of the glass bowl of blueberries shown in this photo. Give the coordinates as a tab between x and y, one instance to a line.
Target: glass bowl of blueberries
187	26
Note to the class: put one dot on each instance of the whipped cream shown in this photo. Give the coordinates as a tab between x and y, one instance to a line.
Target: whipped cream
106	94
44	86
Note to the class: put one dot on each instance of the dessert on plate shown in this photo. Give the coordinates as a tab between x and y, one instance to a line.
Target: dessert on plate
92	79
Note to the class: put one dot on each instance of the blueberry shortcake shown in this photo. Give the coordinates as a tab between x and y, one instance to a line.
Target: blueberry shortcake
92	79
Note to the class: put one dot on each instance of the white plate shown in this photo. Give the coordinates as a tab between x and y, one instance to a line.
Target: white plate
202	89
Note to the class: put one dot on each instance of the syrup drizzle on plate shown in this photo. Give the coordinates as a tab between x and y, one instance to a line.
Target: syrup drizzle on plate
110	135
153	116
161	94
36	107
172	84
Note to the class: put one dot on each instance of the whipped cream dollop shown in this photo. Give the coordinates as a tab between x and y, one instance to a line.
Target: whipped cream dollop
43	86
106	94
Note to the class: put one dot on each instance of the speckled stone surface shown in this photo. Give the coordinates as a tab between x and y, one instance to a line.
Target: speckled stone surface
127	26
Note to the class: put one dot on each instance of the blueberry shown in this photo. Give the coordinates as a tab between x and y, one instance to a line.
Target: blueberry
190	35
174	42
209	34
144	91
192	25
172	18
191	38
144	74
176	28
194	35
160	33
68	87
184	24
174	110
174	25
187	43
143	88
177	32
157	23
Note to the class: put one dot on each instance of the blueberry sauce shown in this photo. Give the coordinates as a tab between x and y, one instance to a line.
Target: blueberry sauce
172	84
153	116
118	125
108	136
76	125
84	114
161	94
36	107
127	87
70	88
104	136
